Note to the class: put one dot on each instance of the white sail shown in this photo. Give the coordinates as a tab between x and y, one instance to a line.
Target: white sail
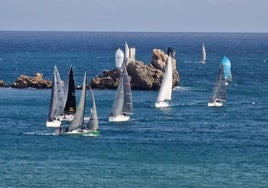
119	58
126	51
204	55
78	120
165	91
56	106
93	123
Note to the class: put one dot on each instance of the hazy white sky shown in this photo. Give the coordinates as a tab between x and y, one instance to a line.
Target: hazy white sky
135	15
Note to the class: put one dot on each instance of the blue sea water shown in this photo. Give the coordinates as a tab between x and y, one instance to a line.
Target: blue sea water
185	145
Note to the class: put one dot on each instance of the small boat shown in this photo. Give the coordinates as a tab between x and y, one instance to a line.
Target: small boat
77	124
165	92
56	106
227	69
219	91
204	56
122	106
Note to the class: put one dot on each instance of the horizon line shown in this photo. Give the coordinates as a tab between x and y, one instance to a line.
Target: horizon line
100	31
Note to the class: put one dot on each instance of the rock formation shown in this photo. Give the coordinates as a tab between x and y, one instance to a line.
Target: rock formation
36	81
2	83
143	77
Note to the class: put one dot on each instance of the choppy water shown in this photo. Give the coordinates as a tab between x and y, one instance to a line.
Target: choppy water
185	145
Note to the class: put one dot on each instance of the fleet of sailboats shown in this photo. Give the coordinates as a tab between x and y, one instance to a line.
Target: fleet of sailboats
77	124
165	92
62	105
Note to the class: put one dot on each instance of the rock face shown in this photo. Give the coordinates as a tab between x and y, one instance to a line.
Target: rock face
36	81
143	77
2	83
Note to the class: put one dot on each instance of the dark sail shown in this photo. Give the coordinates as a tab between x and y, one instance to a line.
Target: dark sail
70	105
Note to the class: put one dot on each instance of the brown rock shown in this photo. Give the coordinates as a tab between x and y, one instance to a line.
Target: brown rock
37	81
143	77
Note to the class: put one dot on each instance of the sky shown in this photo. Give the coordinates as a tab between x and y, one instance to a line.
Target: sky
135	15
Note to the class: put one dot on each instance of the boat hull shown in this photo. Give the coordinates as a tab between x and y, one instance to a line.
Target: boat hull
53	124
84	132
217	104
161	104
66	118
119	118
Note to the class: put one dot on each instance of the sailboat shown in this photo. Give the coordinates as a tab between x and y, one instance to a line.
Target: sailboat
204	56
122	106
56	106
93	123
219	91
227	69
165	92
70	97
77	124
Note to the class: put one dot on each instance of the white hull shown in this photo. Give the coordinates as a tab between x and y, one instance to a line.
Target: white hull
215	104
66	118
202	62
118	118
161	104
53	124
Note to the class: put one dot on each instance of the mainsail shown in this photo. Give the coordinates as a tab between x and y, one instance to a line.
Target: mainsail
128	104
118	99
56	106
165	91
78	120
93	123
70	98
219	90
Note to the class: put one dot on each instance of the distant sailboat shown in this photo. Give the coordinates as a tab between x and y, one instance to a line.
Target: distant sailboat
56	107
122	106
77	124
219	90
227	69
119	58
204	55
70	97
165	91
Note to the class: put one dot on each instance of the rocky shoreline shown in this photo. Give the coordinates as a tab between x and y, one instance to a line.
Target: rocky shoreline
143	77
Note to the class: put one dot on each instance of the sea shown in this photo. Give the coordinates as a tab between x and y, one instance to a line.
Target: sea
185	145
